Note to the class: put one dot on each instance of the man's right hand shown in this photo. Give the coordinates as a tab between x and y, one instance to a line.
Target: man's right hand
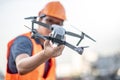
52	51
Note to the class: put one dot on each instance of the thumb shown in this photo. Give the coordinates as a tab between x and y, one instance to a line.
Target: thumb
46	43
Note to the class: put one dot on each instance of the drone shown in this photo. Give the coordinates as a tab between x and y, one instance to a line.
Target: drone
58	34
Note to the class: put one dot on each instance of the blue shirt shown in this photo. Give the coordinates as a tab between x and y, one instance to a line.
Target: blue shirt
21	44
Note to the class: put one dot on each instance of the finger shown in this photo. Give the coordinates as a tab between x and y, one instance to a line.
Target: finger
61	47
46	43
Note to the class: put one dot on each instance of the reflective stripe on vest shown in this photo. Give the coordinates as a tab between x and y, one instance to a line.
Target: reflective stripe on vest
36	74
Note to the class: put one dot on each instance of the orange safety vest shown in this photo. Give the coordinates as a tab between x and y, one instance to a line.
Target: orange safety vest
36	74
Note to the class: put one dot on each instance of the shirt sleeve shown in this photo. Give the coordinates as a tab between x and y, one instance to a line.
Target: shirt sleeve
21	44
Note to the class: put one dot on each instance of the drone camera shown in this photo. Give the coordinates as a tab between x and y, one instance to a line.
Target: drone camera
58	33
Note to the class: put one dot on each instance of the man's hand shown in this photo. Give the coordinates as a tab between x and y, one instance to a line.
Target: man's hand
52	51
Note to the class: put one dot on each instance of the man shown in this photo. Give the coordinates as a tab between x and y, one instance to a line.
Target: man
34	59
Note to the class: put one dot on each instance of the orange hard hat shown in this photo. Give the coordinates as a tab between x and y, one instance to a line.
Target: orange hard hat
54	9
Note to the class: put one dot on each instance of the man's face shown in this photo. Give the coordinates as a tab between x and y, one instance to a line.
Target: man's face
49	20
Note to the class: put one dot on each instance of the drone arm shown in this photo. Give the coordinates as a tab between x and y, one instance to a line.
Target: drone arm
77	49
37	35
82	37
88	37
73	34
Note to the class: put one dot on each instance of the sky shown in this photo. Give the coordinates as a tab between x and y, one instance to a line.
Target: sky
100	19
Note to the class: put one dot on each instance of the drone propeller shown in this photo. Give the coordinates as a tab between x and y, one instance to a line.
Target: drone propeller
43	24
35	17
32	17
88	36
